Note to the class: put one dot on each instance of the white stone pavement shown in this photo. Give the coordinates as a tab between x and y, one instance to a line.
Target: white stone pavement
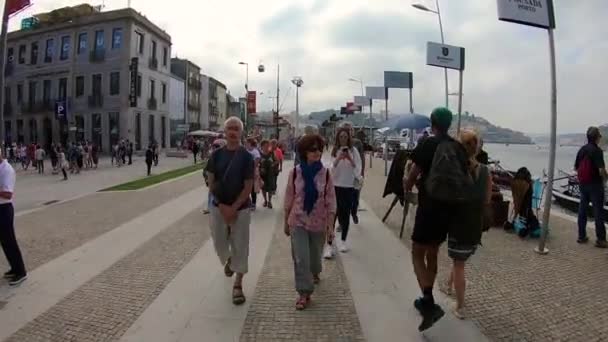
195	306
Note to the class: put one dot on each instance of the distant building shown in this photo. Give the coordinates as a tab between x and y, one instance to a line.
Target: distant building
80	63
217	103
204	102
177	107
191	74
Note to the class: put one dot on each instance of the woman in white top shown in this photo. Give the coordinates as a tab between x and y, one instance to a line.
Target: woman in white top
346	173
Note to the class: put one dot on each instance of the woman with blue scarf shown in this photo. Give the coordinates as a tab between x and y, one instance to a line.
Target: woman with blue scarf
310	208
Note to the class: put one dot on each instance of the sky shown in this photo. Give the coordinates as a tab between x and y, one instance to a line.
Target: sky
326	42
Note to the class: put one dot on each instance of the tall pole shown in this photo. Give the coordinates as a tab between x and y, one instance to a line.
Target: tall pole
412	112
445	71
297	106
3	35
247	77
459	103
371	132
278	103
549	188
385	150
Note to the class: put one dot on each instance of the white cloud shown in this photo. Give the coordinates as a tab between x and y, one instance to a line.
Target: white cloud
327	41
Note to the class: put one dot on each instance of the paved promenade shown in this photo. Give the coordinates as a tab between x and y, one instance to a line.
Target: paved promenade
140	266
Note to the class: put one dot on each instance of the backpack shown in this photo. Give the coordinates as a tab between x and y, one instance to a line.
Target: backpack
448	179
585	170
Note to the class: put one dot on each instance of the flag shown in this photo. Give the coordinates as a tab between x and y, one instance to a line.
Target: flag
15	6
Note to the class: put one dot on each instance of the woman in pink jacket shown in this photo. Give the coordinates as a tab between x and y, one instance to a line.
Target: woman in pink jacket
310	207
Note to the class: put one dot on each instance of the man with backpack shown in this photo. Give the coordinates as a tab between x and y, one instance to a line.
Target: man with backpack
440	173
591	171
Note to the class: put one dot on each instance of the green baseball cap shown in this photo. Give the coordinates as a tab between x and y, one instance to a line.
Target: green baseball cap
441	117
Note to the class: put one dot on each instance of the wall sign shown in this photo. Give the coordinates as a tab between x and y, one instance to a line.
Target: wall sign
538	13
445	56
133	67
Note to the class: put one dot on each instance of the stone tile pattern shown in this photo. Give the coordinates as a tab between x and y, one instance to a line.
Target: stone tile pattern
272	316
107	305
513	294
48	233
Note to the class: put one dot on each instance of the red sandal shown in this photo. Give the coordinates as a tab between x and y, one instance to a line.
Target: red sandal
302	302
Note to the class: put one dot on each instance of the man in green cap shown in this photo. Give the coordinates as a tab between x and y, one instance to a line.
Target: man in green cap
434	218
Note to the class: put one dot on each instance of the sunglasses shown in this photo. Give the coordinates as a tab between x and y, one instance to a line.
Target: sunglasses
315	149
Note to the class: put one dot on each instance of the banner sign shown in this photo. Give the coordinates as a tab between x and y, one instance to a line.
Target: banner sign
15	6
375	93
352	107
397	79
362	101
445	56
61	110
133	67
251	102
538	13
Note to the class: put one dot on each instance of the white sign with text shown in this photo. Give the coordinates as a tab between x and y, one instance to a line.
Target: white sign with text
445	56
537	13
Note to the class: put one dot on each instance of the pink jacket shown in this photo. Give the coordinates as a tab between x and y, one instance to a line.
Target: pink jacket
323	210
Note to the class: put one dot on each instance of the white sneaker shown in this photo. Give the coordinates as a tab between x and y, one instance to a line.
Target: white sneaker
328	252
343	246
460	313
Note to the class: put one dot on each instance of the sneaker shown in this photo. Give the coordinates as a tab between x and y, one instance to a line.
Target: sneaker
17	279
355	219
430	316
583	240
328	252
343	246
601	244
8	275
459	312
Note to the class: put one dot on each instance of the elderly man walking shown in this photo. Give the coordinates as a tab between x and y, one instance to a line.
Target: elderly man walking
230	173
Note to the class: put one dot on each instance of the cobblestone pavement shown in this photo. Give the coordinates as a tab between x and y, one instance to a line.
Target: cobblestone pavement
46	234
513	294
106	306
272	315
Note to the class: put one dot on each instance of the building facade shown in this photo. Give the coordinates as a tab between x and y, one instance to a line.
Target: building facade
191	74
177	108
217	103
204	102
102	77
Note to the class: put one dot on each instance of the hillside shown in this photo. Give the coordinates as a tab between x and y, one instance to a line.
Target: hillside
490	132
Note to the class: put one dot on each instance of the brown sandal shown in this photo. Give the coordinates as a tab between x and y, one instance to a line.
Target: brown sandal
238	297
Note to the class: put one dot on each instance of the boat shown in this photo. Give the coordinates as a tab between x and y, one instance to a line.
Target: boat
568	196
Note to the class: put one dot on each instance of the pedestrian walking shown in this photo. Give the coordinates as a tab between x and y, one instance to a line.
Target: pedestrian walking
156	153
62	163
278	153
592	176
444	185
252	148
269	170
149	158
463	242
25	161
130	151
95	154
195	150
114	154
230	172
17	273
40	154
358	145
346	172
310	208
53	156
217	144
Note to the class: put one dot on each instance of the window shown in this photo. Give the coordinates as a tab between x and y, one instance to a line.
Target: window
165	55
79	86
114	127
139	85
19	93
116	38
96	85
152	89
10	55
114	83
99	40
82	43
153	52
31	98
22	54
163	132
7	94
65	48
63	89
46	92
140	42
48	53
34	53
164	92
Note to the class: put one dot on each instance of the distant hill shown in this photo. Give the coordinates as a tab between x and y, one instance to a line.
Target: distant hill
490	132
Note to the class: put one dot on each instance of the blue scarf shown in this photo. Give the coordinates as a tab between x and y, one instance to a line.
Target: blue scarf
309	171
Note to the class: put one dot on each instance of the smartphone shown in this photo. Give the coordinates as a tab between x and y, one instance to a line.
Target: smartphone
344	149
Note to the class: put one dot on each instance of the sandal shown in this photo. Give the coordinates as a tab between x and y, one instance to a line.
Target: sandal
227	271
302	302
238	297
316	279
269	205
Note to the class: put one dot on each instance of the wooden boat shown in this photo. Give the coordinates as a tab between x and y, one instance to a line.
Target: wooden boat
568	196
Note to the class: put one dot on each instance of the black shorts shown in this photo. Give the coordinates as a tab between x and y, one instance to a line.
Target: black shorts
434	219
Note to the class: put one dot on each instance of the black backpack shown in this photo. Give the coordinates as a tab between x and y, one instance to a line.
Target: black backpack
449	179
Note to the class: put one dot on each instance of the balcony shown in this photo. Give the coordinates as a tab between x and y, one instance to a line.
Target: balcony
8	109
193	106
152	103
97	56
95	101
9	69
194	83
153	63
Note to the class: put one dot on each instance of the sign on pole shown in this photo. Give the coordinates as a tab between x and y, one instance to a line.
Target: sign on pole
362	101
398	79
445	56
538	13
375	93
251	102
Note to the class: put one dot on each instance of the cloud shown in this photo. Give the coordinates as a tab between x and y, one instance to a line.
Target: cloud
287	24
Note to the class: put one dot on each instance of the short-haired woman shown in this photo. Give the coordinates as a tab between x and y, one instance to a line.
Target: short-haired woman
269	170
310	208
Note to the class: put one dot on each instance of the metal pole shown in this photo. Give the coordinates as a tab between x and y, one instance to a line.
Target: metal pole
297	107
371	132
445	71
385	151
247	77
278	103
411	112
541	249
3	36
459	103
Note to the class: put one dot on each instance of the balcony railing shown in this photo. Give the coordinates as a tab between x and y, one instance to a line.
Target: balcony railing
152	103
97	56
8	109
95	101
194	83
193	106
153	63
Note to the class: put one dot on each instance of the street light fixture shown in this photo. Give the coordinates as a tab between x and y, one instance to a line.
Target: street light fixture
297	81
360	81
438	12
247	77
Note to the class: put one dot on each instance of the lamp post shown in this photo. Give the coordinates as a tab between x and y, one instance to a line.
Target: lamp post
297	81
438	12
246	75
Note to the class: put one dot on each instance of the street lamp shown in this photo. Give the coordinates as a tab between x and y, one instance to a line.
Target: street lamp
297	81
247	75
438	12
360	81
